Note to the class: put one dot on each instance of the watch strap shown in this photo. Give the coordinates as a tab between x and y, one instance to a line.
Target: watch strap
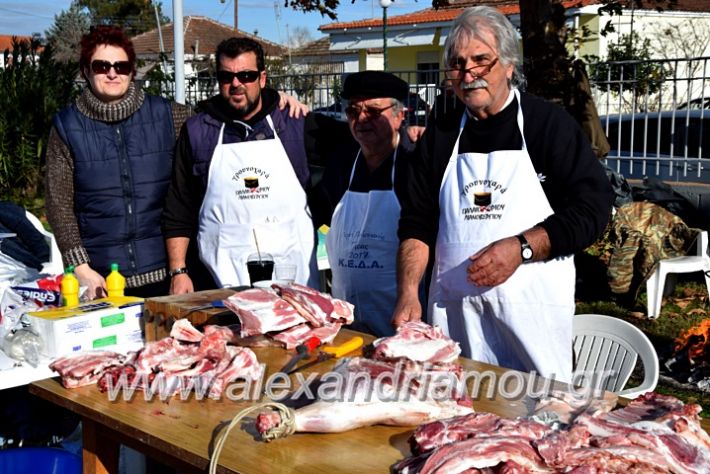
526	251
177	271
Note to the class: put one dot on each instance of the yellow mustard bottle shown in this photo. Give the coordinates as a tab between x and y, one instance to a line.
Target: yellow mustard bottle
70	287
115	282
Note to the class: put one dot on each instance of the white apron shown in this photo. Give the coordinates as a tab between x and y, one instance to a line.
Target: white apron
362	248
526	322
252	188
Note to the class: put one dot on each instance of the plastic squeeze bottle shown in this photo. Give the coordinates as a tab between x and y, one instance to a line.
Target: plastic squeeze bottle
70	287
115	282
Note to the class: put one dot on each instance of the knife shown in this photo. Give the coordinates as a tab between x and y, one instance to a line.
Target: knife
332	352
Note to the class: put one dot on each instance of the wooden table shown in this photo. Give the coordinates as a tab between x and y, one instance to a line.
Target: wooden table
180	433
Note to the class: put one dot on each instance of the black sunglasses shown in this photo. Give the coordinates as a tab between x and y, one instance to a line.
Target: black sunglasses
100	66
245	77
353	112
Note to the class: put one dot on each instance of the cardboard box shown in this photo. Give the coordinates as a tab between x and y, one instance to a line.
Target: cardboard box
110	324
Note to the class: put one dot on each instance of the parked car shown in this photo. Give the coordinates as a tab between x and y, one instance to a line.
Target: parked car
415	113
333	110
671	145
696	104
417	110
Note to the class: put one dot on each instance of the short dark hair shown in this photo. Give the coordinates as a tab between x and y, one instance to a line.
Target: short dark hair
233	47
108	35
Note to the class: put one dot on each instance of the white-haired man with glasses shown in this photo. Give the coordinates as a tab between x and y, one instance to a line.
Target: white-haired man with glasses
506	189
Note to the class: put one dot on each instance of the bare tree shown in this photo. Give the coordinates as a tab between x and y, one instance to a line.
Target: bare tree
64	35
686	39
299	36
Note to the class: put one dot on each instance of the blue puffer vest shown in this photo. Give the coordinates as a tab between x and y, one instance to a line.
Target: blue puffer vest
121	175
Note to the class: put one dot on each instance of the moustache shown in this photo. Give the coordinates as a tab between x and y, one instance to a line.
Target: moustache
479	83
237	90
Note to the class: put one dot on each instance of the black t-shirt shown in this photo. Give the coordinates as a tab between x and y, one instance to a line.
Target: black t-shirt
337	163
571	177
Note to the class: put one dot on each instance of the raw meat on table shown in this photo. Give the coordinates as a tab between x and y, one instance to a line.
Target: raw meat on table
85	368
176	363
652	434
402	387
417	341
261	311
288	314
372	392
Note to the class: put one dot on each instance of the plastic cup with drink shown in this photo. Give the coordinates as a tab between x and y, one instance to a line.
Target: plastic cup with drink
260	266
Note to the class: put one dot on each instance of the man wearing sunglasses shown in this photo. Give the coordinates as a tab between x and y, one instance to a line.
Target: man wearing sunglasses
362	188
239	179
506	189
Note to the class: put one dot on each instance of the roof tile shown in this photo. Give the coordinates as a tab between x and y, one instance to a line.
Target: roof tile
202	35
507	7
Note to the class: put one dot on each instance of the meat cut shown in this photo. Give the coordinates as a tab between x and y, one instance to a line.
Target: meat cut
653	434
417	341
85	368
188	359
289	314
393	390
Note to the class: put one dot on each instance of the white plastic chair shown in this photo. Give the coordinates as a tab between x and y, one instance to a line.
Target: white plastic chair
54	266
606	350
700	262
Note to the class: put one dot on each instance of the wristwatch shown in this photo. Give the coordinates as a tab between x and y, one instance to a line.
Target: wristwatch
526	251
177	271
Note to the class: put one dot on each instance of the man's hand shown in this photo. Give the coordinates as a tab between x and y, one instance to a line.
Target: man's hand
295	108
180	284
408	309
415	132
495	263
95	284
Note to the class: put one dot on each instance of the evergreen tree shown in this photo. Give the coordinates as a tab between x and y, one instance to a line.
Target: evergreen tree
134	16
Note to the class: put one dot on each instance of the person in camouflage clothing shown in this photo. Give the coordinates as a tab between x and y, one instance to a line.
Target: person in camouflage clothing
642	234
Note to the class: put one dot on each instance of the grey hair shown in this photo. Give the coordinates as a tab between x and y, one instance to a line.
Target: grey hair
475	20
397	106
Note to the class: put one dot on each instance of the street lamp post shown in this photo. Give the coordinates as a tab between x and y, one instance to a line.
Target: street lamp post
384	4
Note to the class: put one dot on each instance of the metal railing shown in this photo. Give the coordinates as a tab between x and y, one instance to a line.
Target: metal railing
653	112
656	115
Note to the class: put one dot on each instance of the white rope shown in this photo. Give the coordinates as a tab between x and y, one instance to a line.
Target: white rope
285	428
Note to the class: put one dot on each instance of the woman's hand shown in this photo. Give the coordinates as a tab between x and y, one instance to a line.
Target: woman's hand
95	284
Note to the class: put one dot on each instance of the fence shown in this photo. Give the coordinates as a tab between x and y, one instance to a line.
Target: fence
655	113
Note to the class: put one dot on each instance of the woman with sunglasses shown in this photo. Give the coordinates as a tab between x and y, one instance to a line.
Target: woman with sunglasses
109	158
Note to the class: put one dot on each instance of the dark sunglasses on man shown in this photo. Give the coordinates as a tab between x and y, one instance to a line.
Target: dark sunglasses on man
353	111
99	66
245	77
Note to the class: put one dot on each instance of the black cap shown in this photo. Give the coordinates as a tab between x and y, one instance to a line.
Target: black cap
373	85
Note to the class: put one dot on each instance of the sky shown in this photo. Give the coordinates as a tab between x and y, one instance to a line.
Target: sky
24	17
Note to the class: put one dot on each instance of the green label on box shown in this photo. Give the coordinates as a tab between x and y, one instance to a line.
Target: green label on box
112	319
104	341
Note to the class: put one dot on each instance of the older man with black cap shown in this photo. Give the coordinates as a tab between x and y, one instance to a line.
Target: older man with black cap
362	242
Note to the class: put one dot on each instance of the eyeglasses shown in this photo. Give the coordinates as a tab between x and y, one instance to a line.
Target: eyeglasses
353	111
245	77
478	70
99	66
